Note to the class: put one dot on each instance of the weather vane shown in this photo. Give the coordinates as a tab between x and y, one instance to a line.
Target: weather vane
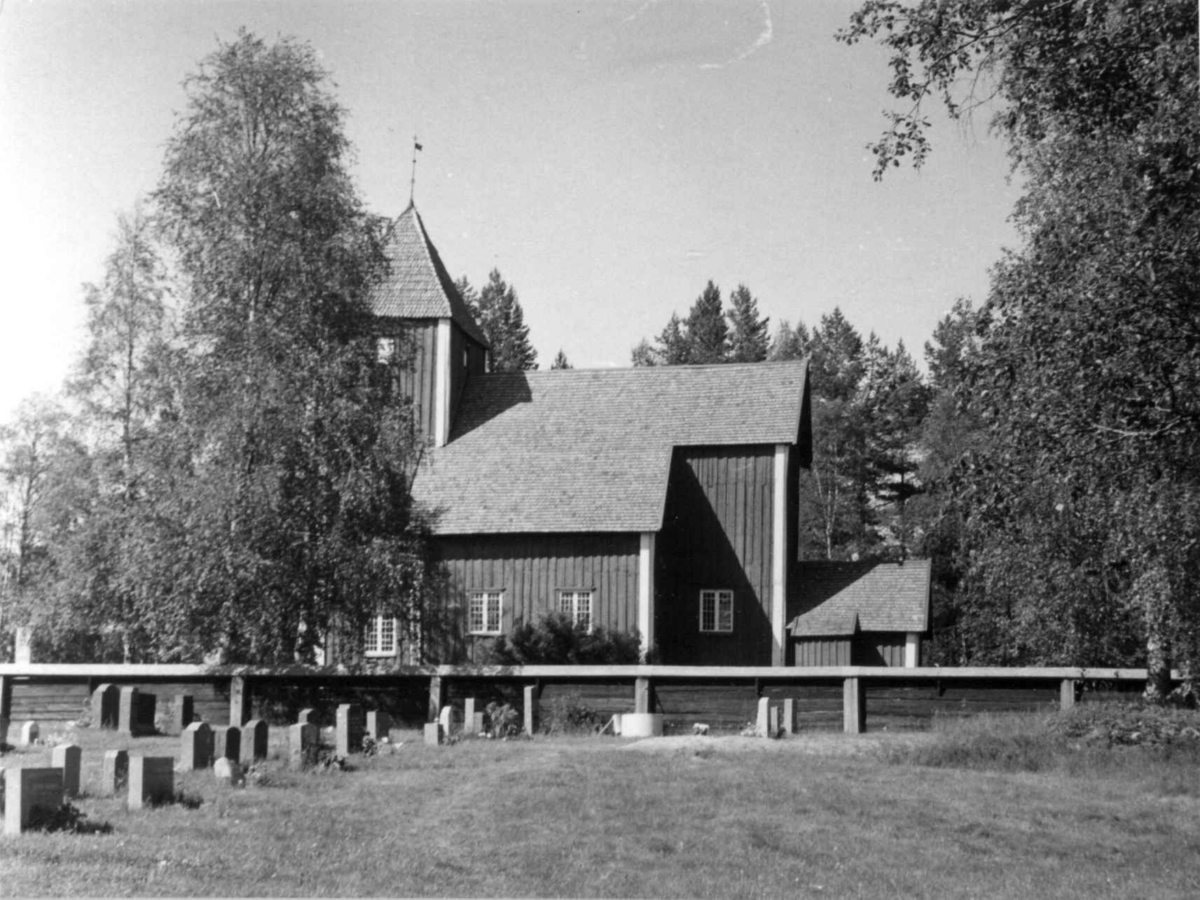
412	184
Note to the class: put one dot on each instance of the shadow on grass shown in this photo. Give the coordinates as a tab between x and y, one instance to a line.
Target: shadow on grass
66	818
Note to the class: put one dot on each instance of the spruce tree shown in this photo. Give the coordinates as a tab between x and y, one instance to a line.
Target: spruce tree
503	322
748	338
707	332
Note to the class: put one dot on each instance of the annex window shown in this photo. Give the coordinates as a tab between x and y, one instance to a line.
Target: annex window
716	611
484	612
380	637
577	605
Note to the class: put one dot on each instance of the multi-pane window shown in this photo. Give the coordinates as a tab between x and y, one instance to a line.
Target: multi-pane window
380	637
577	605
483	614
716	611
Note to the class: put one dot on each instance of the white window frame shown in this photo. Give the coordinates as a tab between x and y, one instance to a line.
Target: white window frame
721	602
577	603
485	612
382	637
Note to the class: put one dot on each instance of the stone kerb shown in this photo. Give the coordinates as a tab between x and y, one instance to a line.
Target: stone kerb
68	758
106	700
196	747
27	790
349	730
115	773
255	736
151	780
227	742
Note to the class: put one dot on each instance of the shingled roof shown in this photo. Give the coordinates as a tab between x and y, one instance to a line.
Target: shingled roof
831	598
590	450
418	285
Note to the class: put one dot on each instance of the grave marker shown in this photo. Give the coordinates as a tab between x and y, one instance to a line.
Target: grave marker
144	713
127	711
307	717
378	725
29	733
469	726
448	719
227	742
349	729
27	790
762	725
433	734
254	741
789	716
106	701
67	757
227	771
773	720
151	780
116	771
183	712
197	747
530	698
303	741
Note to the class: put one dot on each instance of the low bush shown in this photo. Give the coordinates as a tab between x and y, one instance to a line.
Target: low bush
555	639
567	714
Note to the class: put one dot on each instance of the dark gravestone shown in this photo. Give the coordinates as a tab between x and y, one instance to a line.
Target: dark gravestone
183	712
307	716
144	714
196	747
350	727
151	780
254	741
303	741
26	790
227	742
106	701
67	757
116	771
378	725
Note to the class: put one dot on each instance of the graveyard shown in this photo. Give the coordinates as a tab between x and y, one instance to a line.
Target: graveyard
195	808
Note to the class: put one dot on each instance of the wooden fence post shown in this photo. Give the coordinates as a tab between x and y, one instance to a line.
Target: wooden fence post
854	706
437	698
641	696
1066	694
239	700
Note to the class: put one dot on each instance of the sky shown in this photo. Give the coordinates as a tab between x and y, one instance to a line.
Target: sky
609	158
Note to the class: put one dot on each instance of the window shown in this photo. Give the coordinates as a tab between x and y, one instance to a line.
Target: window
716	611
380	638
577	605
484	612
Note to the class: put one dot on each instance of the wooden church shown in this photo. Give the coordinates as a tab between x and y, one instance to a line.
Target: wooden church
661	499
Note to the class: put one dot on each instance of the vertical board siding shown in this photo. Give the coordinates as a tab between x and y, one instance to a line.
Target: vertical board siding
459	341
532	568
716	535
822	651
418	376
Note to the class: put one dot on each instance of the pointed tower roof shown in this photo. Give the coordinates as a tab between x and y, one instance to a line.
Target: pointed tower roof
418	286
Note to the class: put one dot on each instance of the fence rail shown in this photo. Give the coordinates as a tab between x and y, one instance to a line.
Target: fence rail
823	697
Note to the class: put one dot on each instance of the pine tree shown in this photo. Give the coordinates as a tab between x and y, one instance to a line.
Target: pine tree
707	332
561	361
748	339
503	322
674	346
643	354
790	343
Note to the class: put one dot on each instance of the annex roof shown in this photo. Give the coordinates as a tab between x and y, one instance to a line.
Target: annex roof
418	285
590	450
831	598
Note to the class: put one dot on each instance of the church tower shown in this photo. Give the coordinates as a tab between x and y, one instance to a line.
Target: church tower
419	310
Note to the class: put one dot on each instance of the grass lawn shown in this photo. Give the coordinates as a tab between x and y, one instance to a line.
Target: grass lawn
672	817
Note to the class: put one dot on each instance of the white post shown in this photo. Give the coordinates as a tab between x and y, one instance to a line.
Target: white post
645	601
779	560
441	385
912	650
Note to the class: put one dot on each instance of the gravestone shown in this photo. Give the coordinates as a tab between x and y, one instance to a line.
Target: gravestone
254	741
151	780
773	722
29	733
303	740
227	771
196	747
789	716
67	757
144	713
127	711
530	709
26	790
763	726
433	733
115	773
448	719
307	716
227	742
182	712
379	724
349	729
469	726
106	700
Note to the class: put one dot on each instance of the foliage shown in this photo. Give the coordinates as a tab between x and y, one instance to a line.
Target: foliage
706	328
748	331
502	721
68	818
566	713
499	314
561	361
556	639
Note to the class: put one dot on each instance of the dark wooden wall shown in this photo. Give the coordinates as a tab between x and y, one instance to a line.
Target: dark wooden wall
532	568
716	535
821	651
459	373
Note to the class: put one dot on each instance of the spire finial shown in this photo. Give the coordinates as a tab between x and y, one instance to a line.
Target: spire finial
412	184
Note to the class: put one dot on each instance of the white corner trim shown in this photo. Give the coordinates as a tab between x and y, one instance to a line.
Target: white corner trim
645	599
441	385
912	650
779	561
